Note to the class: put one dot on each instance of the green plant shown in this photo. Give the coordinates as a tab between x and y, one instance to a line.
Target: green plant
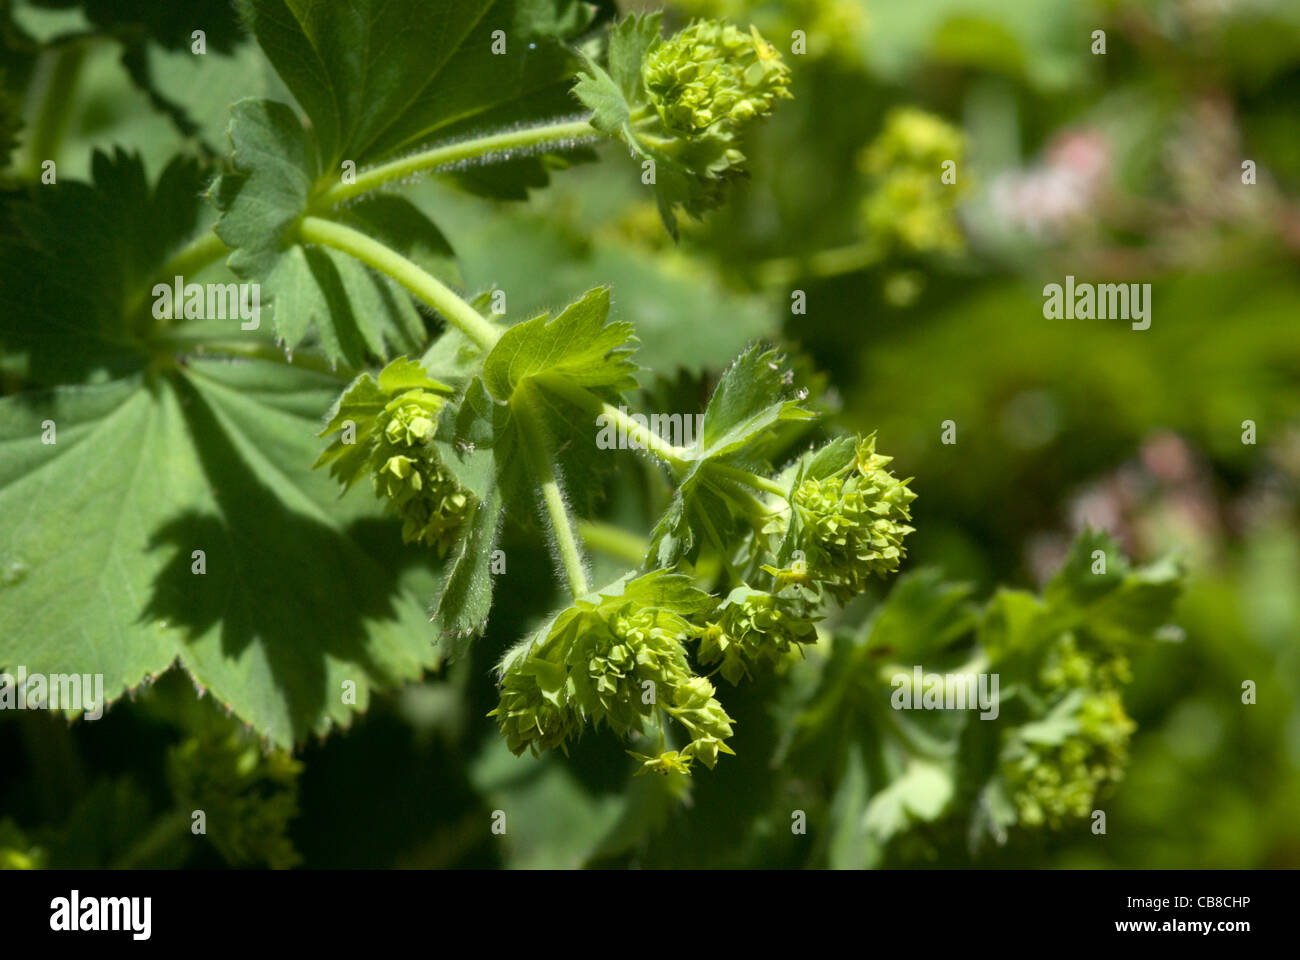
168	449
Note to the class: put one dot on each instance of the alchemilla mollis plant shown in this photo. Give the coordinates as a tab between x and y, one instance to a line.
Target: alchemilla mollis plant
166	430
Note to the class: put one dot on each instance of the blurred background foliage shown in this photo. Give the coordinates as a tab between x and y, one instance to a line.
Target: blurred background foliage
923	304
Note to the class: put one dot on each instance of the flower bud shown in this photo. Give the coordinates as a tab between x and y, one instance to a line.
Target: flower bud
407	471
713	74
612	658
753	627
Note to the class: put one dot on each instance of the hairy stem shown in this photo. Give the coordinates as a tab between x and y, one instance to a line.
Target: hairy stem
585	400
614	541
560	134
531	429
391	263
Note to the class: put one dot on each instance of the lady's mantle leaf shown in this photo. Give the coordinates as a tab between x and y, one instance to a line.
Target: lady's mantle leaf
288	616
752	399
354	312
116	233
578	345
379	76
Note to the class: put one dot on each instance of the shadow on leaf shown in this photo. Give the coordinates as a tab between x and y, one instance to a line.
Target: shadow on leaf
306	596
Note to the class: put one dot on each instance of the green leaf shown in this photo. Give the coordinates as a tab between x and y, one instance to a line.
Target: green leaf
1119	605
922	793
541	257
922	615
752	400
98	531
354	312
578	345
612	95
379	76
464	596
752	397
117	232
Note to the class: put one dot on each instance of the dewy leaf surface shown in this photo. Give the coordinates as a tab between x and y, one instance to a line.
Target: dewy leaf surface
98	533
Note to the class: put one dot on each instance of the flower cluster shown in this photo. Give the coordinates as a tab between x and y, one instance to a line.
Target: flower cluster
684	104
619	657
909	206
386	429
750	627
1057	768
852	523
713	77
249	796
706	85
407	471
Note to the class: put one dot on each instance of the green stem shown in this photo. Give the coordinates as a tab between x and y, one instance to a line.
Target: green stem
391	263
585	400
747	478
165	831
52	120
612	540
563	134
825	263
522	405
718	544
201	252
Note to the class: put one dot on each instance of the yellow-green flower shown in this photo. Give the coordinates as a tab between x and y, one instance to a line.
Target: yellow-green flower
909	204
664	763
853	522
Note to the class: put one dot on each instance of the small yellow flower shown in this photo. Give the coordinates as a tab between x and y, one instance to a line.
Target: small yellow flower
664	764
